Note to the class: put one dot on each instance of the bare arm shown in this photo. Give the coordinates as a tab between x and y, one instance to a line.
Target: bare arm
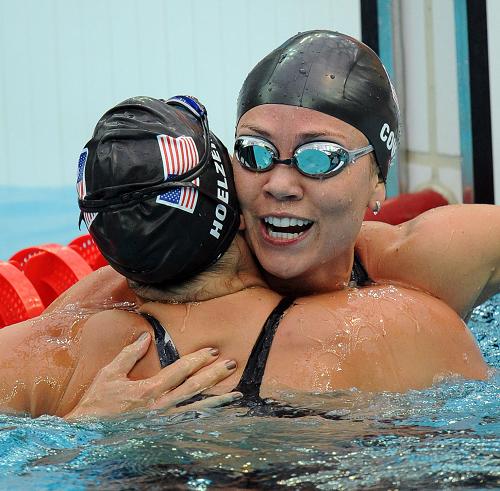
14	376
36	360
38	356
452	252
374	342
103	336
51	366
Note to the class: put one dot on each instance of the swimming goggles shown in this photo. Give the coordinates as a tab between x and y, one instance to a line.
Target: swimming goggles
315	159
197	109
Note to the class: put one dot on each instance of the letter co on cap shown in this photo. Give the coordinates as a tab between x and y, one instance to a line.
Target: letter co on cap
387	136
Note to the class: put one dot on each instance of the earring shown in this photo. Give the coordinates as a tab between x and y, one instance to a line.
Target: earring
377	208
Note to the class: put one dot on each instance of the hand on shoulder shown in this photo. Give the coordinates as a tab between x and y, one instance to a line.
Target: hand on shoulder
112	392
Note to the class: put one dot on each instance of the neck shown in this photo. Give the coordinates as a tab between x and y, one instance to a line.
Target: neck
234	272
238	272
329	276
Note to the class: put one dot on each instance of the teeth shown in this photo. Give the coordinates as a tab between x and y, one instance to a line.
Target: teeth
286	222
282	235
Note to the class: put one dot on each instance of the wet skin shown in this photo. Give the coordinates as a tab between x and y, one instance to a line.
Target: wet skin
384	338
377	338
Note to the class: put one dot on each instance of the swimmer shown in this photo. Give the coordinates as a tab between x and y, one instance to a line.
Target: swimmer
197	283
304	223
327	90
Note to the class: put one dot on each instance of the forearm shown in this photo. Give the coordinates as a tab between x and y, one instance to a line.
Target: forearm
100	287
13	394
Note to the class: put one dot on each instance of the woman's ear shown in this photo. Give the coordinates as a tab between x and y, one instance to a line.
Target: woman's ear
377	196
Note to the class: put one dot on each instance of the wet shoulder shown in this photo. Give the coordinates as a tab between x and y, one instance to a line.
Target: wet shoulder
102	286
382	337
106	333
370	312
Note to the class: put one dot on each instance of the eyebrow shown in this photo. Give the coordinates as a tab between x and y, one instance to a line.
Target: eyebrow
303	136
255	129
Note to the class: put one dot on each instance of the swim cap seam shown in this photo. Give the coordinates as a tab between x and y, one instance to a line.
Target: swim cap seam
305	83
347	77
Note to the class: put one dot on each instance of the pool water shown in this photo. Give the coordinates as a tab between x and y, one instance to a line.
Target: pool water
33	216
441	438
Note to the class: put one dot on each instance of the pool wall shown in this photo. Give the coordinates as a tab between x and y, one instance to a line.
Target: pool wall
63	63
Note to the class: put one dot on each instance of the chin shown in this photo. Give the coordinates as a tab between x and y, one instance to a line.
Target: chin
282	270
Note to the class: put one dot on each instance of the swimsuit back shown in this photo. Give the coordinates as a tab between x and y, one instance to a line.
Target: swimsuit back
359	276
165	346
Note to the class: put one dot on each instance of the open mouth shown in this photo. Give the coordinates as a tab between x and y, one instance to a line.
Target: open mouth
286	228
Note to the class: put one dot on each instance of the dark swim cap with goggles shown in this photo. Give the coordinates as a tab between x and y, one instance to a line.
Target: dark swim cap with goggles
156	190
331	73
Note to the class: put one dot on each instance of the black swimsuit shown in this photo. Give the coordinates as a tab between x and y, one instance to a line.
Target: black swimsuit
253	373
251	379
165	347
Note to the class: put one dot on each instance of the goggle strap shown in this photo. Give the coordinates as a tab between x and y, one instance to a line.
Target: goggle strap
190	103
127	198
354	154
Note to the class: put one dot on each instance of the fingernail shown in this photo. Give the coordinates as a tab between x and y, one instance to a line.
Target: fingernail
143	336
213	351
237	395
230	364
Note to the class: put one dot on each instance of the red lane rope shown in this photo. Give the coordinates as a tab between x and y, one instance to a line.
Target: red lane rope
36	276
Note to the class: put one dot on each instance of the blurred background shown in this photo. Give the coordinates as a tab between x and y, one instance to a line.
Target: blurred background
64	62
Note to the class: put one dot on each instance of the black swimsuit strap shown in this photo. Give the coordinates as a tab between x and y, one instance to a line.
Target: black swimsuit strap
359	274
252	376
166	348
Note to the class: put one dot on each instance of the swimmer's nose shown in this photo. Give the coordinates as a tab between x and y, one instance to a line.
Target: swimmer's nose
284	183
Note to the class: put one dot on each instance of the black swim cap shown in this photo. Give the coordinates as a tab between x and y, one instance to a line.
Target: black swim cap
334	74
156	190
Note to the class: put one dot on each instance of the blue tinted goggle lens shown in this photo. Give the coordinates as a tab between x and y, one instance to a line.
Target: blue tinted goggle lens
320	160
313	161
262	157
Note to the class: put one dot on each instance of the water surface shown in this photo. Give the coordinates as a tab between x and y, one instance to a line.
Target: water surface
444	437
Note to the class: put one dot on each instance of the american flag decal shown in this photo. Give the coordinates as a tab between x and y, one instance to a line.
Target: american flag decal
179	155
80	185
80	178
